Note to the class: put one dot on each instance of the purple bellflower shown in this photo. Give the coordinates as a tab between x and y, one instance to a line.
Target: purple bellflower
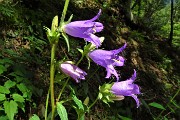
73	71
85	29
108	59
127	88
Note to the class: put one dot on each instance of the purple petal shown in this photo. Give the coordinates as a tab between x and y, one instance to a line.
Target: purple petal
100	54
76	31
133	76
122	88
73	71
98	27
82	24
110	70
96	17
119	61
136	99
136	89
120	49
94	40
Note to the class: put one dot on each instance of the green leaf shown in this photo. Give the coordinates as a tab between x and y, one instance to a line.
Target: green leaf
2	69
62	111
4	90
157	105
80	109
1	108
78	102
124	118
3	118
2	97
22	87
86	101
10	109
34	117
18	98
67	40
8	84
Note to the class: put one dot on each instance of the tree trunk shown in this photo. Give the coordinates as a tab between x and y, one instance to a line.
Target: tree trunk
171	32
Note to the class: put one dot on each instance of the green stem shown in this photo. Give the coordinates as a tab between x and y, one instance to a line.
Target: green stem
47	99
80	59
93	102
52	72
63	89
64	12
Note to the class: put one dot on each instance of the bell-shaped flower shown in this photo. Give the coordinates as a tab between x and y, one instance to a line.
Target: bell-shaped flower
73	71
127	88
106	95
108	59
85	29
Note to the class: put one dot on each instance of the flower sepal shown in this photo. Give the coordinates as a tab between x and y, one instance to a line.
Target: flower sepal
53	34
64	23
105	93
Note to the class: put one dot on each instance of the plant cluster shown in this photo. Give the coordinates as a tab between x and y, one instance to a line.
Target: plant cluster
110	92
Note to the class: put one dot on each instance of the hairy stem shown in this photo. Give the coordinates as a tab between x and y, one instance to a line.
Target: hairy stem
52	72
64	12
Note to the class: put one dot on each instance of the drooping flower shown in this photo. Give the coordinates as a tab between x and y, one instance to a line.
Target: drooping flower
73	71
108	59
85	29
127	88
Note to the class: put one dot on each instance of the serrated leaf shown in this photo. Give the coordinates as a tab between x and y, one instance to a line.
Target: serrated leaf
62	111
22	106
67	40
18	98
157	105
10	109
8	84
2	97
22	87
78	102
34	117
4	90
